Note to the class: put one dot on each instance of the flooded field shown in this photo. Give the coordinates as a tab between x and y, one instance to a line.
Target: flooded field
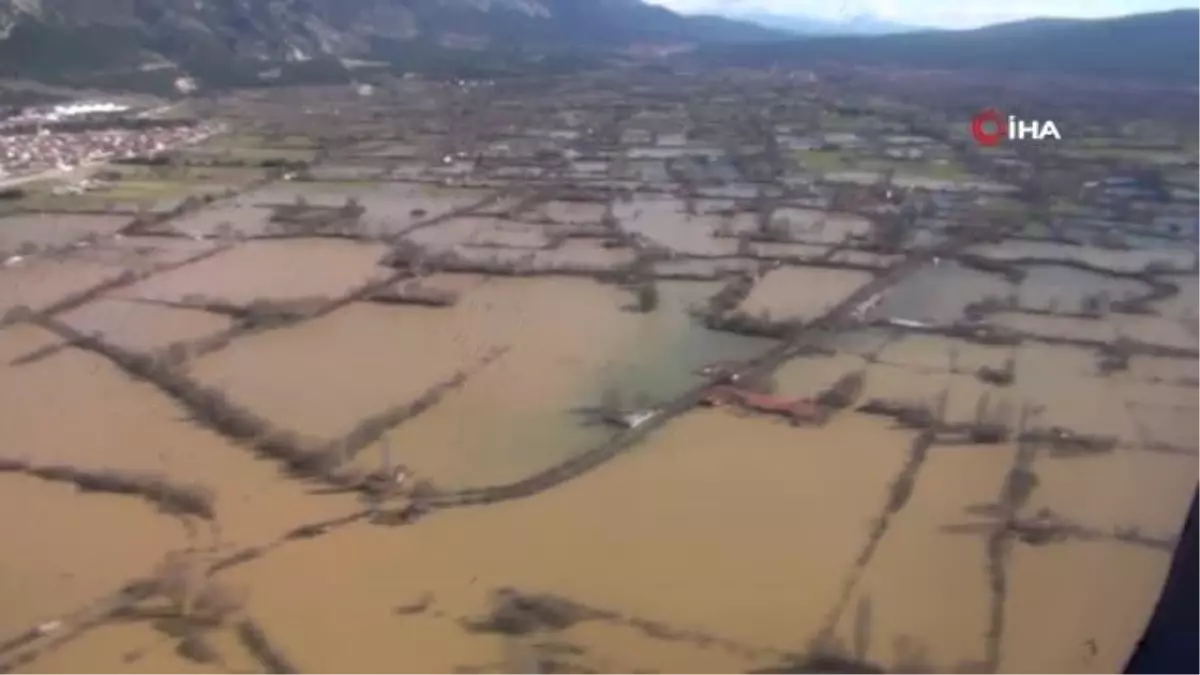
666	222
525	316
640	621
53	230
40	575
144	253
932	353
503	233
390	207
802	293
577	213
1056	326
818	227
706	268
1125	261
894	614
460	231
585	252
788	250
1183	304
322	377
1174	332
1072	572
143	433
525	416
144	327
744	541
941	293
245	219
40	282
870	259
272	270
1065	288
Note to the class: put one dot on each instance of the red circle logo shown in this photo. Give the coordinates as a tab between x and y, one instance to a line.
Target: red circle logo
989	127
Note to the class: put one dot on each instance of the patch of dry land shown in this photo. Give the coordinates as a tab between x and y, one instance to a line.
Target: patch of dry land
477	503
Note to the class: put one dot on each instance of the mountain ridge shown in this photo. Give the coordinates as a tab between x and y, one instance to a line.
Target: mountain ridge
1158	46
143	44
48	39
800	24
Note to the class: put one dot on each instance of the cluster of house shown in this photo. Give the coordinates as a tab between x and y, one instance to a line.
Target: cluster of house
63	150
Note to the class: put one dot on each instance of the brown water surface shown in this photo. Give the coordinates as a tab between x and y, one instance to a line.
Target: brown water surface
40	282
1064	288
940	293
819	227
140	326
899	611
1090	600
41	577
276	270
569	341
802	293
54	229
716	544
689	482
1134	260
666	222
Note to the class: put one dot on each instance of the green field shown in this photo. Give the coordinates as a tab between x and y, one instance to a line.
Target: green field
249	153
254	147
137	187
198	175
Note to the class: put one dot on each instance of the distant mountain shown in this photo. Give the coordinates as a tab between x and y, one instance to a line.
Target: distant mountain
864	24
1162	46
233	40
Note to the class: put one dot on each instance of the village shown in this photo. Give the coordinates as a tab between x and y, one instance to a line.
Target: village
638	371
65	138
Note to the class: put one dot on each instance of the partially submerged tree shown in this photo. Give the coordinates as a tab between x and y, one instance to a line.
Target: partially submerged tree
647	297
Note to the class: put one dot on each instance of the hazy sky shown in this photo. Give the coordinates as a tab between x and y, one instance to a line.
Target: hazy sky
940	13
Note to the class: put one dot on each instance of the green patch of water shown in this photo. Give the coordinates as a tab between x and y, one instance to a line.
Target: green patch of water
671	347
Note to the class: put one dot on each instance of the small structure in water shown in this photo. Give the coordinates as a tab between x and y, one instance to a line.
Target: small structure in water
798	411
637	418
864	308
907	323
726	371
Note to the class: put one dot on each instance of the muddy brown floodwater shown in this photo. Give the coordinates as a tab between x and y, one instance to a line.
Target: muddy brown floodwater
722	541
940	293
53	230
802	293
260	270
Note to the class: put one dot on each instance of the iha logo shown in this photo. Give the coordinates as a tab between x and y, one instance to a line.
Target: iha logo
990	127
